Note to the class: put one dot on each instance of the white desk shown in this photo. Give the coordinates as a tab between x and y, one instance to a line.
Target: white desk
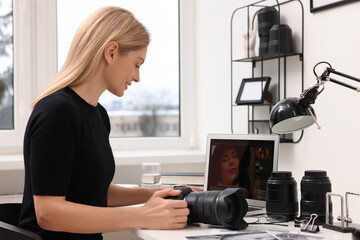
202	229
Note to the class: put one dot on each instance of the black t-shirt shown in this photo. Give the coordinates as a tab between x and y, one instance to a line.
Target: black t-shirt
66	153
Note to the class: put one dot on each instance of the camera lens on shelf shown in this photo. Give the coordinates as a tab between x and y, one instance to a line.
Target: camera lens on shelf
264	46
281	195
314	186
280	39
267	17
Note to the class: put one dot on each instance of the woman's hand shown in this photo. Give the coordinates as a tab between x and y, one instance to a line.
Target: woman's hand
160	213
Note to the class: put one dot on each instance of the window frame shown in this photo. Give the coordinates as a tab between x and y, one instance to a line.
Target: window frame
35	46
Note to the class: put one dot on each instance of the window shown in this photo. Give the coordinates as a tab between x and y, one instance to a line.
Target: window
6	66
16	66
155	100
36	57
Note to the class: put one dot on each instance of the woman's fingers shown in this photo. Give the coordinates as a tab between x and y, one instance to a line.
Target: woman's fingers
181	204
182	211
165	213
178	226
167	192
181	219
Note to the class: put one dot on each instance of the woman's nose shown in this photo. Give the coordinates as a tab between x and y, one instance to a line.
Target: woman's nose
136	77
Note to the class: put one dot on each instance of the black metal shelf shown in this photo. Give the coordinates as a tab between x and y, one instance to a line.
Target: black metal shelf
281	88
258	104
259	120
268	57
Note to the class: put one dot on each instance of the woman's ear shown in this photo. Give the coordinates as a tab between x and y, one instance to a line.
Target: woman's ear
111	50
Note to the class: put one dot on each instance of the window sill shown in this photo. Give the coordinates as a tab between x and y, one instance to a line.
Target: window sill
15	162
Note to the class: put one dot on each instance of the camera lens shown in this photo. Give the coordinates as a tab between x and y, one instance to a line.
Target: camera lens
202	206
281	195
280	39
226	208
267	17
314	186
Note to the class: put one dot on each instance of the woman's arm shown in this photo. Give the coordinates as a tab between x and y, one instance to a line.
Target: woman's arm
122	196
56	214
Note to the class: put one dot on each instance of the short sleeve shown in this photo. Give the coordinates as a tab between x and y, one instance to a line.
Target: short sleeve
105	118
54	134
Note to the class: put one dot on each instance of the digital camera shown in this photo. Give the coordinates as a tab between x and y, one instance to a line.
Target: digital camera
227	207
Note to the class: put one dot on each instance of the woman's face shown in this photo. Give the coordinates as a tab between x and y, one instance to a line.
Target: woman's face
124	70
229	166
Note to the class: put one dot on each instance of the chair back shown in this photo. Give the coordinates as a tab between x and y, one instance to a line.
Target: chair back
9	229
10	212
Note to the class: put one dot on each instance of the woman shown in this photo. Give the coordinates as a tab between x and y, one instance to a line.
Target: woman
69	163
231	167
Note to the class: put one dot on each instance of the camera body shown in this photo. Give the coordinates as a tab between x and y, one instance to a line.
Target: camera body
227	207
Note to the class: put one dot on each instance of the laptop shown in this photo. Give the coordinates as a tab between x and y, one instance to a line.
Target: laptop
242	161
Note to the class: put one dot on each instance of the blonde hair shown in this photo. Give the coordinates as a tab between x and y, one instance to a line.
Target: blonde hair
87	48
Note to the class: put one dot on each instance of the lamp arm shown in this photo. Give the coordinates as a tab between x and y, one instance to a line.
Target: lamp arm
325	77
331	70
343	84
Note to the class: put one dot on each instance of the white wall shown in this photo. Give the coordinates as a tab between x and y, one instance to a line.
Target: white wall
332	35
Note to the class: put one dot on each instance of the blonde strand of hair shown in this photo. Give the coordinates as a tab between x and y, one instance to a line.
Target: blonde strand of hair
87	47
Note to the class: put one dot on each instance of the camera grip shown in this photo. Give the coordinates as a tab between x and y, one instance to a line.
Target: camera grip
184	191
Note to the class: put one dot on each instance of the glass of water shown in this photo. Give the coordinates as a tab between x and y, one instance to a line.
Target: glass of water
151	175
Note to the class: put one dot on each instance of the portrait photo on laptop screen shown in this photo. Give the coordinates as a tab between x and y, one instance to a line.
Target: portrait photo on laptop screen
245	164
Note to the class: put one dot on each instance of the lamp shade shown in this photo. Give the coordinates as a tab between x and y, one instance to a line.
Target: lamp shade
289	116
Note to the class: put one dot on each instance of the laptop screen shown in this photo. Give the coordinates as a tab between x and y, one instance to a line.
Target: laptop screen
241	161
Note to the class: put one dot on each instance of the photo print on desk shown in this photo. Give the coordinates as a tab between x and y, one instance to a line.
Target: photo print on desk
256	235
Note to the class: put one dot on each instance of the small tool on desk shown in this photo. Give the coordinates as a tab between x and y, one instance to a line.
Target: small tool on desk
346	224
311	228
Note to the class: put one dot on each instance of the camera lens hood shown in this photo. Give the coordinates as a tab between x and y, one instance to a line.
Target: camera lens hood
231	209
227	207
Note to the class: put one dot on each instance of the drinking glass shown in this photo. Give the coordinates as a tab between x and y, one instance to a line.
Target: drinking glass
151	175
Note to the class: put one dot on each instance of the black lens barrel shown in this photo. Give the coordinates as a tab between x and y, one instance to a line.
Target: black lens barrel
314	186
227	207
281	195
202	207
267	17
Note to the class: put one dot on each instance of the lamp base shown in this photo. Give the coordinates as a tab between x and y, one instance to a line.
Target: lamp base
337	227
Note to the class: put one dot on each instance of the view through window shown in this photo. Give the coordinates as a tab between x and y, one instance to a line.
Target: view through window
6	66
149	108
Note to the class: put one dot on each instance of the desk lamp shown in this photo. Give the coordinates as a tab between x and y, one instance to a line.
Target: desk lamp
293	114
